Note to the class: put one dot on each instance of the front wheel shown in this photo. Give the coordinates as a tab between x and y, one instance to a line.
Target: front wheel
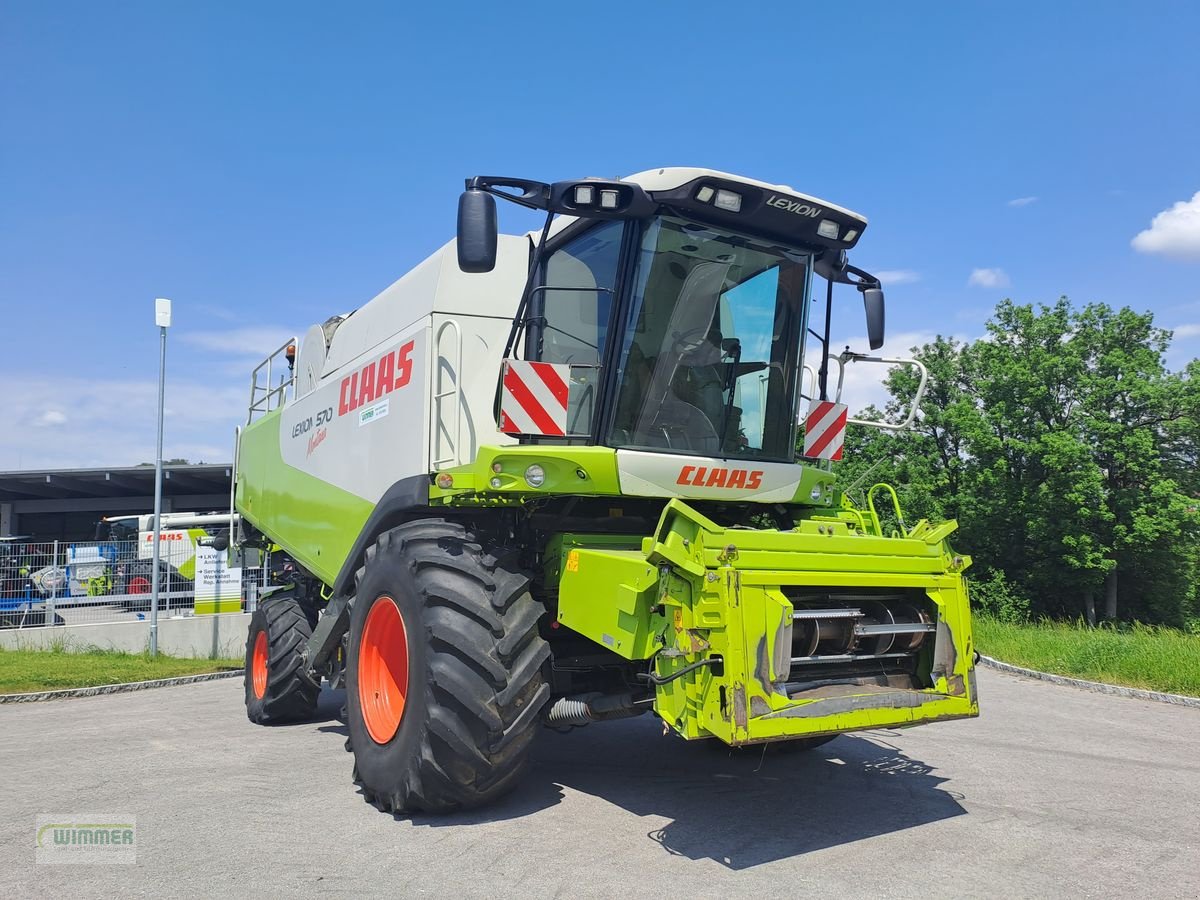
278	687
444	677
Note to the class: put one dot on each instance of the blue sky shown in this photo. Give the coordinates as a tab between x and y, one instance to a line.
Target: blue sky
268	164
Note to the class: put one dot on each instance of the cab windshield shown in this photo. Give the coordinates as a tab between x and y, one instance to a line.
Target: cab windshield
711	344
119	531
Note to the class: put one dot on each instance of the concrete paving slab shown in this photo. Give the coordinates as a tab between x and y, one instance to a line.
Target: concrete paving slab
1054	792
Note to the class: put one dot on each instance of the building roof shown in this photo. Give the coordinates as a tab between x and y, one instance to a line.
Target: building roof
116	481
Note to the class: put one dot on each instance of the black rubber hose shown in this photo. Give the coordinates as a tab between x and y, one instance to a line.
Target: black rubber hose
657	680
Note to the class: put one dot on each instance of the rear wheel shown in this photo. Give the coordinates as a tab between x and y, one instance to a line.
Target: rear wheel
444	678
278	688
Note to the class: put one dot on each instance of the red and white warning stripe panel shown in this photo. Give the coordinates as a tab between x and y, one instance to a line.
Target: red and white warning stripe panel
534	397
825	430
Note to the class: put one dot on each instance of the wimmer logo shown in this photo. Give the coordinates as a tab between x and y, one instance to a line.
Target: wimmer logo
104	840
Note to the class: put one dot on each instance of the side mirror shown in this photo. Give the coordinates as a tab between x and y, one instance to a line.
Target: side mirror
873	304
476	231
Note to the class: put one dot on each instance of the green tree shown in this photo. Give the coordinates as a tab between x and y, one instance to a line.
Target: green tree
1068	453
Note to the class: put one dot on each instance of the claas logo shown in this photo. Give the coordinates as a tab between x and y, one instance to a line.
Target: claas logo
376	379
703	476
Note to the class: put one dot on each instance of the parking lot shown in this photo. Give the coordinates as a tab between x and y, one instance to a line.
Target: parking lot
1053	792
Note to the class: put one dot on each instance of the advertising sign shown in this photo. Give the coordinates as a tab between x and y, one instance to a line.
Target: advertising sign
218	586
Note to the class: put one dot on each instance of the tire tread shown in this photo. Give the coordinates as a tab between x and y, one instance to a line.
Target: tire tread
484	670
291	696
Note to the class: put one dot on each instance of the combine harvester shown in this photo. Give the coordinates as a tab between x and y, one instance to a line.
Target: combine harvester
556	479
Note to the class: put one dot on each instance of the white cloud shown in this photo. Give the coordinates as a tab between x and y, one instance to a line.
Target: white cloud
1022	201
988	278
49	418
68	422
256	341
1174	232
217	312
1187	330
898	276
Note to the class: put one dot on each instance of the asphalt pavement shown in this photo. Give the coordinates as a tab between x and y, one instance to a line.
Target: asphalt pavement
1053	792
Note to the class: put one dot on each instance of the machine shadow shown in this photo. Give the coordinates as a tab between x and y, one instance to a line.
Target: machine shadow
329	717
739	808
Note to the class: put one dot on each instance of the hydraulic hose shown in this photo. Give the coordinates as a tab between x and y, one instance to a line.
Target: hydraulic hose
667	679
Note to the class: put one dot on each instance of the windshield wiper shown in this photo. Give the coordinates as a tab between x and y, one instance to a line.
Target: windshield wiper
733	348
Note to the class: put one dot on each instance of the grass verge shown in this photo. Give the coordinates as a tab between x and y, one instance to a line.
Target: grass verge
25	671
1143	656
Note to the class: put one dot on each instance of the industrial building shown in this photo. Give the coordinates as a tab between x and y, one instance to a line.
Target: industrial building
65	504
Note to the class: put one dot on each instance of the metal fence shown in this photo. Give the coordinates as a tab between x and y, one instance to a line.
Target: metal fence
111	581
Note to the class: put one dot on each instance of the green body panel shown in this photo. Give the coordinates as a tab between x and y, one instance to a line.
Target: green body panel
316	522
628	587
696	590
188	567
569	470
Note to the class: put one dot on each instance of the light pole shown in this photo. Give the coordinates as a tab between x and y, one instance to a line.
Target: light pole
162	318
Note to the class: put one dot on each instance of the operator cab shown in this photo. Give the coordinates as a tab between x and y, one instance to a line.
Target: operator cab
695	284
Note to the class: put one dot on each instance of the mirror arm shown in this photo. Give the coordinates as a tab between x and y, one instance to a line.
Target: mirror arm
863	280
534	194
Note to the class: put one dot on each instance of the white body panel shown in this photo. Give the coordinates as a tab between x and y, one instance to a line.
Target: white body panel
145	521
436	285
177	545
408	382
362	428
464	416
645	474
669	178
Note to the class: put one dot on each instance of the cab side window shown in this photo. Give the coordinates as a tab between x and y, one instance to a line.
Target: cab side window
576	321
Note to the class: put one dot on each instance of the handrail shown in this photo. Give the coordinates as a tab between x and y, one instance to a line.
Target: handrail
806	369
453	391
907	421
895	506
235	524
262	395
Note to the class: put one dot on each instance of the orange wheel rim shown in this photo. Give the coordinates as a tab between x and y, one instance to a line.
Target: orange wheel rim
258	665
383	670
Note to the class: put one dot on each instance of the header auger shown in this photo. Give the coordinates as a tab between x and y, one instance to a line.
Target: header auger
555	478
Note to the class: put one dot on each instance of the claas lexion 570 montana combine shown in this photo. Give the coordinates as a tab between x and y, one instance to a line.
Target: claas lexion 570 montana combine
586	474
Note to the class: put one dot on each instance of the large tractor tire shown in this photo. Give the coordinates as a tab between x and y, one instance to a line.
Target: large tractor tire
278	689
444	680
